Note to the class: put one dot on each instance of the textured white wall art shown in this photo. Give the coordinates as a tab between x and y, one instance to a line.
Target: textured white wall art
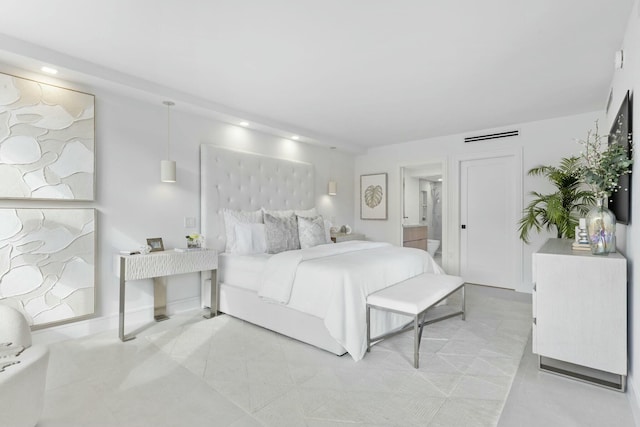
47	259
46	141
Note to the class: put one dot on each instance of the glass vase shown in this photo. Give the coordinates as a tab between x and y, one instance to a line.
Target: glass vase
601	226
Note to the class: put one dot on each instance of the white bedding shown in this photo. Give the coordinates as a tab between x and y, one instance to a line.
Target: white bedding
332	282
242	271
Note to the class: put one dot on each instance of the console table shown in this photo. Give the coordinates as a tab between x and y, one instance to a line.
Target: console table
580	313
158	265
344	237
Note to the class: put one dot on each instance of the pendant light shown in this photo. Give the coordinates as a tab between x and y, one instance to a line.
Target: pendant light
168	167
333	185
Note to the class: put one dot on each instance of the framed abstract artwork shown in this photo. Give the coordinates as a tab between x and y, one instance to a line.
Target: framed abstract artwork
373	196
47	263
47	141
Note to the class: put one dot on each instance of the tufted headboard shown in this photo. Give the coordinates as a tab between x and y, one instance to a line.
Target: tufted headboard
247	181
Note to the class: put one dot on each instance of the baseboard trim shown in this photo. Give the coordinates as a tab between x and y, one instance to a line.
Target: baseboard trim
135	318
634	399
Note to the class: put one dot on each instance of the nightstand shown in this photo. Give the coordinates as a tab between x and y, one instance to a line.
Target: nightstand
343	237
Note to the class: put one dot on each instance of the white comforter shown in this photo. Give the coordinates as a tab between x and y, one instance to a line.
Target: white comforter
332	282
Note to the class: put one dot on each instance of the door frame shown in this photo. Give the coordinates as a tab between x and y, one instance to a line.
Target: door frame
456	204
446	237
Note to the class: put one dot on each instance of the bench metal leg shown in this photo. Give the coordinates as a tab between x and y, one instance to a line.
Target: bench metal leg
368	328
416	340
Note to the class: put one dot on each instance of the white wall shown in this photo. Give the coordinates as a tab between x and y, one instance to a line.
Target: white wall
625	79
133	204
541	142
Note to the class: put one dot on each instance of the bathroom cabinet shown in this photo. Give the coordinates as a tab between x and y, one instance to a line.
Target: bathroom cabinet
415	236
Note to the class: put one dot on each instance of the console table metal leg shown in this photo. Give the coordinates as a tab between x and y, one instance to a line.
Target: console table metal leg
121	305
160	299
215	296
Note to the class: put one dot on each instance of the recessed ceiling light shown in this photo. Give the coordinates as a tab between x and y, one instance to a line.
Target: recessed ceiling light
49	70
245	124
439	179
295	137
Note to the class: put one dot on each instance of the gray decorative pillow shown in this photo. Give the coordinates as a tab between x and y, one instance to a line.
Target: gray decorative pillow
281	233
311	232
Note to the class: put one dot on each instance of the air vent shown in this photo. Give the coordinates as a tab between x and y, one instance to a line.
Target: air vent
498	135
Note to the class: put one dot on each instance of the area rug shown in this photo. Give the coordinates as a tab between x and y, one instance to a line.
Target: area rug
466	369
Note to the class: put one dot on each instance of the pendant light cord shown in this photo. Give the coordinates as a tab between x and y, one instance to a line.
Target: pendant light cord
169	104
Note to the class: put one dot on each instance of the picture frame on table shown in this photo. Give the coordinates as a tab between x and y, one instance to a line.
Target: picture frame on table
156	244
373	196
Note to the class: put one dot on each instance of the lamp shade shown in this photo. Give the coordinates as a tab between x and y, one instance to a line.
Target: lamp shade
333	188
168	171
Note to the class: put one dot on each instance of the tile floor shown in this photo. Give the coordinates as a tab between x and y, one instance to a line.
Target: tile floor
189	371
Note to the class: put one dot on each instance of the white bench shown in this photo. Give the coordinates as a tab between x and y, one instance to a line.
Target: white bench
414	297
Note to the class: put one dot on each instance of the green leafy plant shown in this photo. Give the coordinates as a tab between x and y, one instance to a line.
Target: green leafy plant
561	209
603	166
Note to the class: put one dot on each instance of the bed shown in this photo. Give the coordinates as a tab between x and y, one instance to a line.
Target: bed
316	295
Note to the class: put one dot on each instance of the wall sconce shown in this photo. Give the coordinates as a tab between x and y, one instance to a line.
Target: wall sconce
333	188
333	185
168	167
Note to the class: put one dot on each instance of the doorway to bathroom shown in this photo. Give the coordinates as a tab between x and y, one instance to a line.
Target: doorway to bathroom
423	205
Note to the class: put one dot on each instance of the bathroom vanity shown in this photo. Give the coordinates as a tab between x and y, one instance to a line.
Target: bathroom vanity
415	236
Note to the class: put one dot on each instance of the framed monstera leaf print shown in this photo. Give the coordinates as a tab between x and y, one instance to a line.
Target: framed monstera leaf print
373	196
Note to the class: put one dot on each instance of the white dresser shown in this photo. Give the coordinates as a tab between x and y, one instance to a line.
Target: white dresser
580	313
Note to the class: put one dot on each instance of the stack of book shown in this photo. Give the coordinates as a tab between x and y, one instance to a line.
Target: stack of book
580	246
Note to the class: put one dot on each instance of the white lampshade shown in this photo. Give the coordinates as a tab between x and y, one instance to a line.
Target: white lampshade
333	188
168	171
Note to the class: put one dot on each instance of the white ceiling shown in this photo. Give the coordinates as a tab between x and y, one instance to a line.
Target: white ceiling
361	73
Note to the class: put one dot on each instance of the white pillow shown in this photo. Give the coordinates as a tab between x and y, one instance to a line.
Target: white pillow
250	239
307	213
232	218
311	232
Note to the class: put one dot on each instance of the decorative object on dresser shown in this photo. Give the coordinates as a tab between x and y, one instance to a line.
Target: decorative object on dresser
157	266
601	170
415	236
581	242
373	196
48	141
155	243
580	314
601	229
47	263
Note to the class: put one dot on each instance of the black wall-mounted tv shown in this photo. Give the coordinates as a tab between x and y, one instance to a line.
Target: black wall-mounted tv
622	133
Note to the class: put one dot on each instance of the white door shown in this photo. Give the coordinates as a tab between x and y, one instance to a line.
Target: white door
488	217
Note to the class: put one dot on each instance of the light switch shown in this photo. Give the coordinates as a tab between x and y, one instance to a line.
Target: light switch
189	222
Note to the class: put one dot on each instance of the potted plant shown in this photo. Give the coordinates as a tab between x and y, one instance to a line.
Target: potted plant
559	210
